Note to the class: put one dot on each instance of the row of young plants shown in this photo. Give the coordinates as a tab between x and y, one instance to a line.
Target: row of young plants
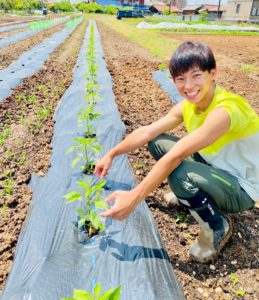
45	24
87	148
13	159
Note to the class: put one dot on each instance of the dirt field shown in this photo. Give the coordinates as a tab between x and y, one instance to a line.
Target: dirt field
140	101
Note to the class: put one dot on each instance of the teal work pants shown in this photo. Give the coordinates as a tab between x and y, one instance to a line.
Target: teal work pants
194	174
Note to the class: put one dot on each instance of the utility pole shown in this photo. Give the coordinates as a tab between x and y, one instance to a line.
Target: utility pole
218	8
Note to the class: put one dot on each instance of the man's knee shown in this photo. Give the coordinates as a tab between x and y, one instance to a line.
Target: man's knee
180	181
160	145
154	148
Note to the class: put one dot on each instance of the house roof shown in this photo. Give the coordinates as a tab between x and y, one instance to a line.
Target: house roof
192	7
164	7
213	8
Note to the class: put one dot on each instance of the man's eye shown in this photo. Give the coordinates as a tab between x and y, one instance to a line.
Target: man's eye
179	79
197	75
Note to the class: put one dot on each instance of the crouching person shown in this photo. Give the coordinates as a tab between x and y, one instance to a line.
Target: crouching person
214	168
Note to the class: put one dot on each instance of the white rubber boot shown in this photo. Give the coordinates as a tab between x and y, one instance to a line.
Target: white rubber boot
171	199
209	243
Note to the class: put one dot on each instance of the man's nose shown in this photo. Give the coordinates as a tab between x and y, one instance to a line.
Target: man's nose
188	83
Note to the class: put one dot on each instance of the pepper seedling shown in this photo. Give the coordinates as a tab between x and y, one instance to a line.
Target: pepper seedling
92	200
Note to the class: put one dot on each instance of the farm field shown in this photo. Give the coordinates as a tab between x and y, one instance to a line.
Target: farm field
27	149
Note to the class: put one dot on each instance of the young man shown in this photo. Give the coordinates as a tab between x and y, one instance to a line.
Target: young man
214	167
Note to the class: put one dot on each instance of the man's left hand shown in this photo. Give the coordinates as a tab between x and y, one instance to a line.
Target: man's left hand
125	203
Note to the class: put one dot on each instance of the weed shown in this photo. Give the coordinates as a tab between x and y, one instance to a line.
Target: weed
138	165
234	278
8	117
7	184
9	154
240	292
5	133
4	211
20	97
162	67
249	68
181	219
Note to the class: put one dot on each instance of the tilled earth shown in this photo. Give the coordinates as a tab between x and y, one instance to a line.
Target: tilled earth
26	117
141	101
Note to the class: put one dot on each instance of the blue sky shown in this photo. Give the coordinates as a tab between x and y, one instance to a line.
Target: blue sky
197	2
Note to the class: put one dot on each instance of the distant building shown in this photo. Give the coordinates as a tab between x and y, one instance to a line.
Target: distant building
193	11
242	11
180	4
132	2
156	8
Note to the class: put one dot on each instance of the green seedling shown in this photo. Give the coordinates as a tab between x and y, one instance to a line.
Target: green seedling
112	294
41	115
4	211
240	292
181	219
21	120
5	133
20	97
249	68
234	278
138	165
86	118
32	99
91	198
7	184
8	117
86	151
162	67
41	87
9	154
22	160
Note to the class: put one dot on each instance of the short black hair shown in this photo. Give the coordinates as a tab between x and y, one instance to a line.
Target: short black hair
191	54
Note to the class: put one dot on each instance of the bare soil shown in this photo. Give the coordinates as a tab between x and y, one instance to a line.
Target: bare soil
28	114
141	101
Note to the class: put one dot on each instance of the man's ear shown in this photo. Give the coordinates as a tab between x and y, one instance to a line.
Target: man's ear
213	73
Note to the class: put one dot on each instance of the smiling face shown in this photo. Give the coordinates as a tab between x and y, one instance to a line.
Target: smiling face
197	86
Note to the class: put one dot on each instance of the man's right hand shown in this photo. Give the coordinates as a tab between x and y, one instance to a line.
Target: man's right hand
102	166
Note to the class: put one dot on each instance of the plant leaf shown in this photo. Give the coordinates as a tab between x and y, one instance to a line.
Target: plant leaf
116	294
70	149
97	289
111	294
73	196
75	161
94	219
81	222
80	211
82	295
101	204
